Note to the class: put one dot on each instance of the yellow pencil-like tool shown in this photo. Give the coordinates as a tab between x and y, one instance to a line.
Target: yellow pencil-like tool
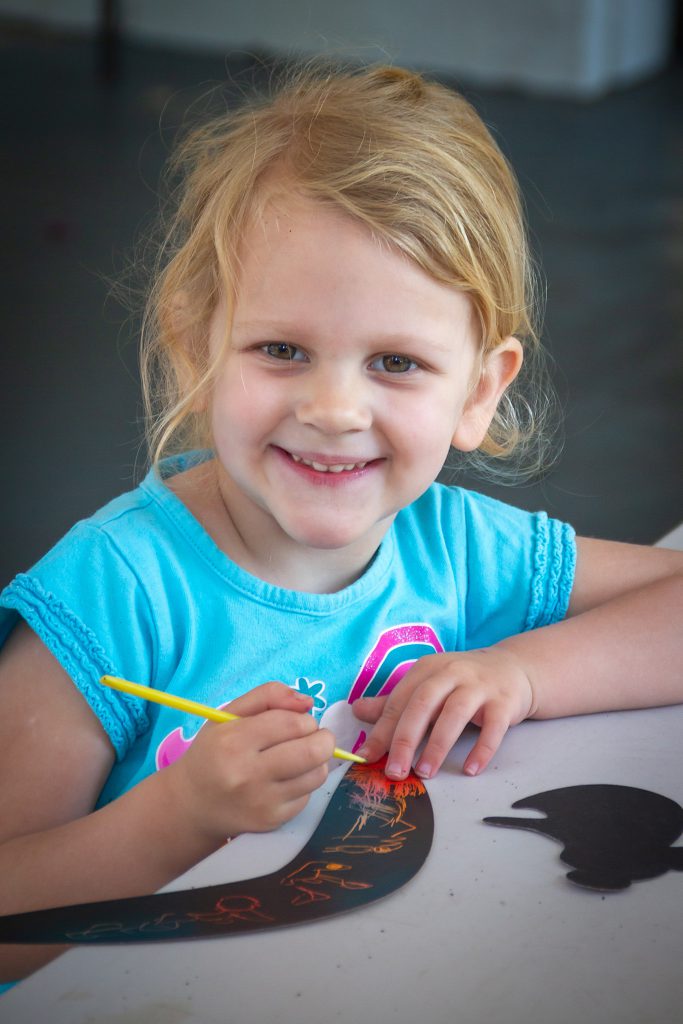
193	707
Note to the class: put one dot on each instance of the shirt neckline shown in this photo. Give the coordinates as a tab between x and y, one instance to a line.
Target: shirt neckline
237	577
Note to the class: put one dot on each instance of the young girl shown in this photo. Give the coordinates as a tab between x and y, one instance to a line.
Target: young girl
344	296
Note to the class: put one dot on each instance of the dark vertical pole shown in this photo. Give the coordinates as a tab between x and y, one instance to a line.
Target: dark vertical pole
109	40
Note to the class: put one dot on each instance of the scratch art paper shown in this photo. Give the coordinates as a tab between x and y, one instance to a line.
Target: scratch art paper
612	835
373	837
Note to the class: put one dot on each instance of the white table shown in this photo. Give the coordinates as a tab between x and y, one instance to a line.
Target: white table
489	932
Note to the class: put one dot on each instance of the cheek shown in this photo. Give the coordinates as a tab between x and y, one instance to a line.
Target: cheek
243	409
227	414
426	426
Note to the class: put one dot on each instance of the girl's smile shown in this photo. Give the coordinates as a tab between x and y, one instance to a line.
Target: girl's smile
326	470
345	376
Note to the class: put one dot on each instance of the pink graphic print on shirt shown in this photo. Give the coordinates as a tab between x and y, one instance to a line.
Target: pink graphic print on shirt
391	657
389	660
385	665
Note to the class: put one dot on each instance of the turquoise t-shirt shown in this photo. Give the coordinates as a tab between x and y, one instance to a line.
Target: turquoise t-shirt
140	590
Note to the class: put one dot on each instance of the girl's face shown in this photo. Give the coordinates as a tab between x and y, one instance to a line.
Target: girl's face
343	385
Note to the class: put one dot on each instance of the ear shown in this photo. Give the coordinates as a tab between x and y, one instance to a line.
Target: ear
500	368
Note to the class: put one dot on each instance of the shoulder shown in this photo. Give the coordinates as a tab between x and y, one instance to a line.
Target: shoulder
468	514
114	536
464	533
99	564
501	555
142	527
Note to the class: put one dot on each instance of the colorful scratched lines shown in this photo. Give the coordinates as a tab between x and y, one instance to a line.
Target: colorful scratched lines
373	837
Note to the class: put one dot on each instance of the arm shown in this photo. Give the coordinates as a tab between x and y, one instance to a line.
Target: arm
619	647
55	757
621	644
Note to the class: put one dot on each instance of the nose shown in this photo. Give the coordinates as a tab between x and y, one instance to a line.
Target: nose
334	402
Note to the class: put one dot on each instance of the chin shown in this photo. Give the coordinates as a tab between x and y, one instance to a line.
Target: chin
322	541
323	537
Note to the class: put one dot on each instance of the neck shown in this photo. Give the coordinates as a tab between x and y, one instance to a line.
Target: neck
253	544
320	572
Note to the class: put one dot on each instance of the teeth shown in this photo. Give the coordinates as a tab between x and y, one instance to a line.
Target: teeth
321	467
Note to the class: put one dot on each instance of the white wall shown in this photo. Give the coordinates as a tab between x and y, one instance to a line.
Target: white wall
571	47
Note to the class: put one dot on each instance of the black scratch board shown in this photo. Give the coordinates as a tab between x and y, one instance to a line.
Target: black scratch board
612	835
373	837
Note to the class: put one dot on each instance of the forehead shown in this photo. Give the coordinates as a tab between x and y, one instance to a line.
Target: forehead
299	256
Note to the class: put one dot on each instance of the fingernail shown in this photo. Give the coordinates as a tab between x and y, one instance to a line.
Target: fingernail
471	769
395	770
424	770
363	752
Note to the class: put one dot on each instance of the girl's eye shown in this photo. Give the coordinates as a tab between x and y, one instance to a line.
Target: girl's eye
282	350
394	364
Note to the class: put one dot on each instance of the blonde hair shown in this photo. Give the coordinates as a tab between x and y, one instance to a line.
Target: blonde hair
408	157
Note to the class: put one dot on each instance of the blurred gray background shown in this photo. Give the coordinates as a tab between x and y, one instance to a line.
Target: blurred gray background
584	96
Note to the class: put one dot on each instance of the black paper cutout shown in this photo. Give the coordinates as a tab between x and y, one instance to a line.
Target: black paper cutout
373	837
612	835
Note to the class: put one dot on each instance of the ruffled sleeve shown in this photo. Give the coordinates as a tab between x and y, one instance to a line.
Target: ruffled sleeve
519	569
554	564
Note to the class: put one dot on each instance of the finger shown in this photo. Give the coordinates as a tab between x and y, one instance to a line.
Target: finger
377	743
253	735
277	727
426	707
368	709
269	696
295	757
496	723
287	811
390	712
456	713
271	816
423	708
303	785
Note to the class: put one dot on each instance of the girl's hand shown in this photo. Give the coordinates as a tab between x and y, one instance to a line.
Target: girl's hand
488	687
254	774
